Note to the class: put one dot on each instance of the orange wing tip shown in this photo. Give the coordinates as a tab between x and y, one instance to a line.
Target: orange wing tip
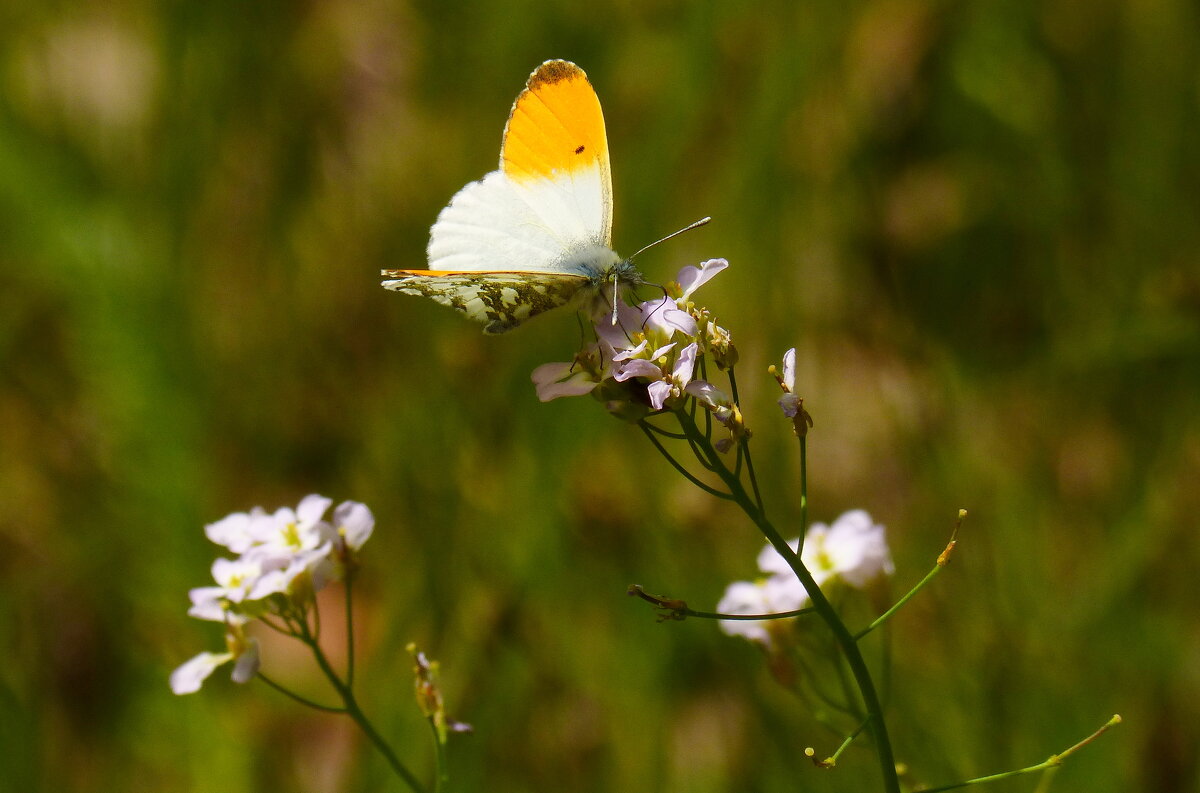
556	126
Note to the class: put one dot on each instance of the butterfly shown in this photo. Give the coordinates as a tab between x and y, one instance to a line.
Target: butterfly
535	234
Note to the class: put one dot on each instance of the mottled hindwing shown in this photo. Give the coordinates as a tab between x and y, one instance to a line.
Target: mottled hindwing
499	300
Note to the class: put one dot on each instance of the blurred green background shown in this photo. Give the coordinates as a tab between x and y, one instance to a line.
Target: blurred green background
978	222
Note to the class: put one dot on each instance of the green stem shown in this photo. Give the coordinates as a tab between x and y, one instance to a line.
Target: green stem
355	712
831	761
942	560
1051	762
287	692
887	615
712	491
841	634
349	627
443	771
711	615
803	486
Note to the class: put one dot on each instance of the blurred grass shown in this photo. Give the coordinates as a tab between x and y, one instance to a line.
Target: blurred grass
979	224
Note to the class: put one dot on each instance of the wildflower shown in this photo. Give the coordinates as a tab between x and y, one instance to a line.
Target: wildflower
236	579
290	533
791	403
723	409
692	278
648	342
672	385
573	378
285	558
354	524
189	676
853	550
429	696
773	595
238	531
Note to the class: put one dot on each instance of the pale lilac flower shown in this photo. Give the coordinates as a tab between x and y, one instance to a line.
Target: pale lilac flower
723	410
789	402
190	676
574	378
712	398
560	379
631	346
673	385
692	278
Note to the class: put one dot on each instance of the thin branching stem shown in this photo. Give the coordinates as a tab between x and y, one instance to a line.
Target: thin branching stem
712	615
887	615
443	770
287	692
676	436
712	491
349	627
842	636
1048	764
353	710
831	761
942	560
803	487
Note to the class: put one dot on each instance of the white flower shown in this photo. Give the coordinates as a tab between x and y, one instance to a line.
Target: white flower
353	523
291	533
854	549
239	531
190	675
789	402
773	595
236	579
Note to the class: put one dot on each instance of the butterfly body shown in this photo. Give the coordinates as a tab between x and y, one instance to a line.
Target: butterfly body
535	234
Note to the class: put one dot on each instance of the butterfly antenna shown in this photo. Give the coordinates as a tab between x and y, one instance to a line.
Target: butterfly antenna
696	225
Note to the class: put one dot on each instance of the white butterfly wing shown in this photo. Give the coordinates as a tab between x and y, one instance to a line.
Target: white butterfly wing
497	225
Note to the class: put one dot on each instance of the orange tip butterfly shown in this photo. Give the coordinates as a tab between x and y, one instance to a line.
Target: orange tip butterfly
537	233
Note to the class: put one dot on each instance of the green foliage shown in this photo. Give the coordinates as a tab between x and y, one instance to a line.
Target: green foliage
976	222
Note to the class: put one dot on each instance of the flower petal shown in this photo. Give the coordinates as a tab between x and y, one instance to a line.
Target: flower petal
692	278
789	369
189	676
638	367
659	392
312	508
355	523
247	663
554	380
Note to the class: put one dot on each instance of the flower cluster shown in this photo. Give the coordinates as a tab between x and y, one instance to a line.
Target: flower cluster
647	358
852	551
284	559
